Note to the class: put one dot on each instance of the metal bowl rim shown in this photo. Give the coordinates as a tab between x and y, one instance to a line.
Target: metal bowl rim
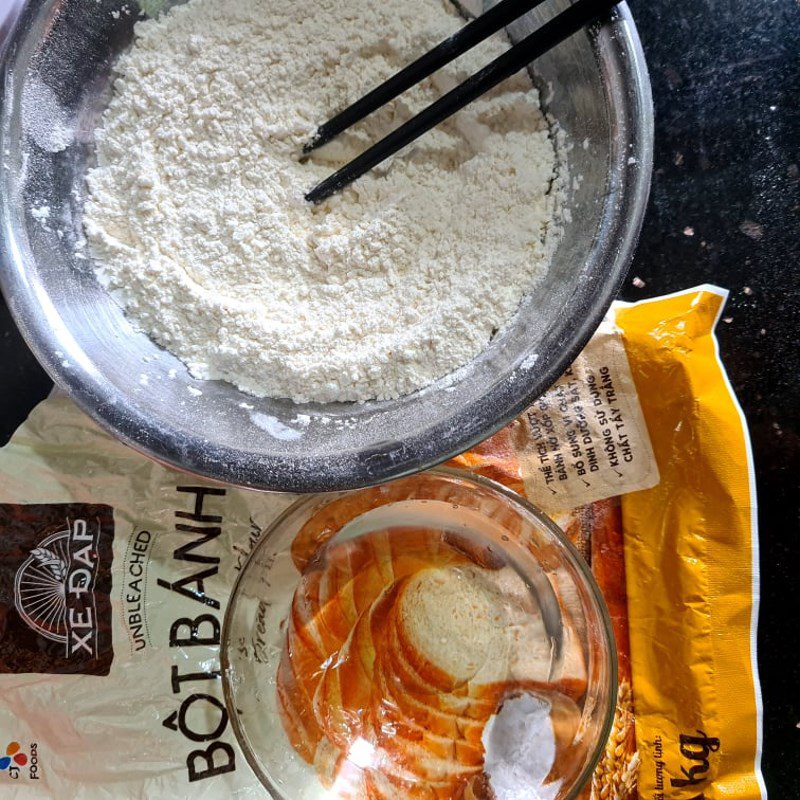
225	464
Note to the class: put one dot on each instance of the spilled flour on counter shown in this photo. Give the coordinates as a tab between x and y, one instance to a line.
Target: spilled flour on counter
196	215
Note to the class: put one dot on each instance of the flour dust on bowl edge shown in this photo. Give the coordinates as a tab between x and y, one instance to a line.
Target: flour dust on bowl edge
61	56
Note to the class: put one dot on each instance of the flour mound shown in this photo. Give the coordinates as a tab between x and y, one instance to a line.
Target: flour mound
196	215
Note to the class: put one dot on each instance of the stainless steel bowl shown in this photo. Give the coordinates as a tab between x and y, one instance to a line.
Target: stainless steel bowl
57	74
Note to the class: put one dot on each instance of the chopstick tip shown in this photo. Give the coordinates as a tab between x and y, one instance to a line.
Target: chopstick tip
317	140
317	194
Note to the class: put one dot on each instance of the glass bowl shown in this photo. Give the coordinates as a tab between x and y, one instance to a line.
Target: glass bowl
57	74
400	636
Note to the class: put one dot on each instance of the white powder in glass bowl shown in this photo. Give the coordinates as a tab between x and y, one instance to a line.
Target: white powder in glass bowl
520	749
196	216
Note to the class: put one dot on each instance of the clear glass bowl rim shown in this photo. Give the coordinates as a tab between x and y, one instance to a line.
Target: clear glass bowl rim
528	509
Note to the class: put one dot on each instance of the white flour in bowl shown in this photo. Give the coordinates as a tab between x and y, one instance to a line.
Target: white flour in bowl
197	218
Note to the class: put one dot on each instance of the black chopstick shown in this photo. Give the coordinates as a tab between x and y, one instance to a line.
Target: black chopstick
472	34
561	27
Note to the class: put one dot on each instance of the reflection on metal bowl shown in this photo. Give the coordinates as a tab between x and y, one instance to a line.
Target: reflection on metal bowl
65	52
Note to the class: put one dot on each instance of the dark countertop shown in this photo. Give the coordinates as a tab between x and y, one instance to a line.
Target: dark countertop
725	209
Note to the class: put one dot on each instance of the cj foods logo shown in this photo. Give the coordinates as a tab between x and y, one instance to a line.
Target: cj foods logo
13	757
14	761
58	559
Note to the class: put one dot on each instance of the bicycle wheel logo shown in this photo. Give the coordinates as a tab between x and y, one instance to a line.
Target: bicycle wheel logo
40	587
54	587
56	559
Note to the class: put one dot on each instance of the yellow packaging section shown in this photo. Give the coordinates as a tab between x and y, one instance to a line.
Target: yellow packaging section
692	562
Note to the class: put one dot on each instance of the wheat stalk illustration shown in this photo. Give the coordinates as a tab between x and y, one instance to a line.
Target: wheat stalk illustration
49	560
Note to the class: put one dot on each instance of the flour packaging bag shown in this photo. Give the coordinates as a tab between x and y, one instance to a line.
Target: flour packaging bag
114	577
115	573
